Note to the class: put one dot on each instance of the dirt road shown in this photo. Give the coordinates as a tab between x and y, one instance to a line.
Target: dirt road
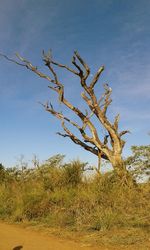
13	237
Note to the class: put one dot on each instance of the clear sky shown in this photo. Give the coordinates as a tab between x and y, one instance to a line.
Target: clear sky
114	33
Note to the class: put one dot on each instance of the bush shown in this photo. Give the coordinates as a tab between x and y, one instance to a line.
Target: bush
73	172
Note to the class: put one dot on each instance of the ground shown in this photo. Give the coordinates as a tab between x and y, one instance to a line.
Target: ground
15	237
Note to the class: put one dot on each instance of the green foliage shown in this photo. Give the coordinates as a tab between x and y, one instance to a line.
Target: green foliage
139	162
55	161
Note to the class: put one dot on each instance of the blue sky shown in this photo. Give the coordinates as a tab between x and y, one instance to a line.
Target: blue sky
114	33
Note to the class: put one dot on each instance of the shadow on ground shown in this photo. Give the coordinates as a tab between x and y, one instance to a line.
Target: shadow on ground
17	248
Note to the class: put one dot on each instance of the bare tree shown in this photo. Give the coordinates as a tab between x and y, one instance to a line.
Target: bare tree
108	147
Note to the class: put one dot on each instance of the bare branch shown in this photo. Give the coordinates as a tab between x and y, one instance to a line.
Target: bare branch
88	100
62	118
106	139
87	69
53	72
12	60
106	104
124	132
29	66
54	88
66	67
77	66
96	77
78	141
107	100
117	117
63	135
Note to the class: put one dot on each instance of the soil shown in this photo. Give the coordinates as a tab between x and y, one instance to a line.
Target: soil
13	237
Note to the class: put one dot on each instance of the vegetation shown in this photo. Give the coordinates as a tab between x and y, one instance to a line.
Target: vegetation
139	162
61	194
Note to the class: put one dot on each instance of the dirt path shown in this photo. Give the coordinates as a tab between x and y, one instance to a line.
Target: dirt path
12	236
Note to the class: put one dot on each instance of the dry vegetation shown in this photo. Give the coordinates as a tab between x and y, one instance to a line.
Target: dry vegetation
58	195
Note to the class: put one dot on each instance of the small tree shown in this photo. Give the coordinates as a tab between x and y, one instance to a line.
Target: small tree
108	147
139	162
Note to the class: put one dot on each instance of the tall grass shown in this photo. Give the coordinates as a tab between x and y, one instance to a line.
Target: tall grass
61	195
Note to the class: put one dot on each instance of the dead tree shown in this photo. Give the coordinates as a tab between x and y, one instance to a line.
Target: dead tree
108	147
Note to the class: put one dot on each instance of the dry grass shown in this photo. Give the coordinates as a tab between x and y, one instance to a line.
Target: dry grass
97	210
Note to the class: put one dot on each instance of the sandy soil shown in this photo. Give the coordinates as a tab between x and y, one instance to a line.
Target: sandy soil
13	237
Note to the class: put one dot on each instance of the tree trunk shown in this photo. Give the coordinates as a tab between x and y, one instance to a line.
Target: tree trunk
120	170
99	163
118	164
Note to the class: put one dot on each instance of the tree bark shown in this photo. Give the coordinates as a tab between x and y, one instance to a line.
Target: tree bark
123	175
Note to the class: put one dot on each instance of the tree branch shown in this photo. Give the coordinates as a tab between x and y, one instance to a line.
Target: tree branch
79	142
124	132
117	117
96	77
29	66
86	67
12	60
